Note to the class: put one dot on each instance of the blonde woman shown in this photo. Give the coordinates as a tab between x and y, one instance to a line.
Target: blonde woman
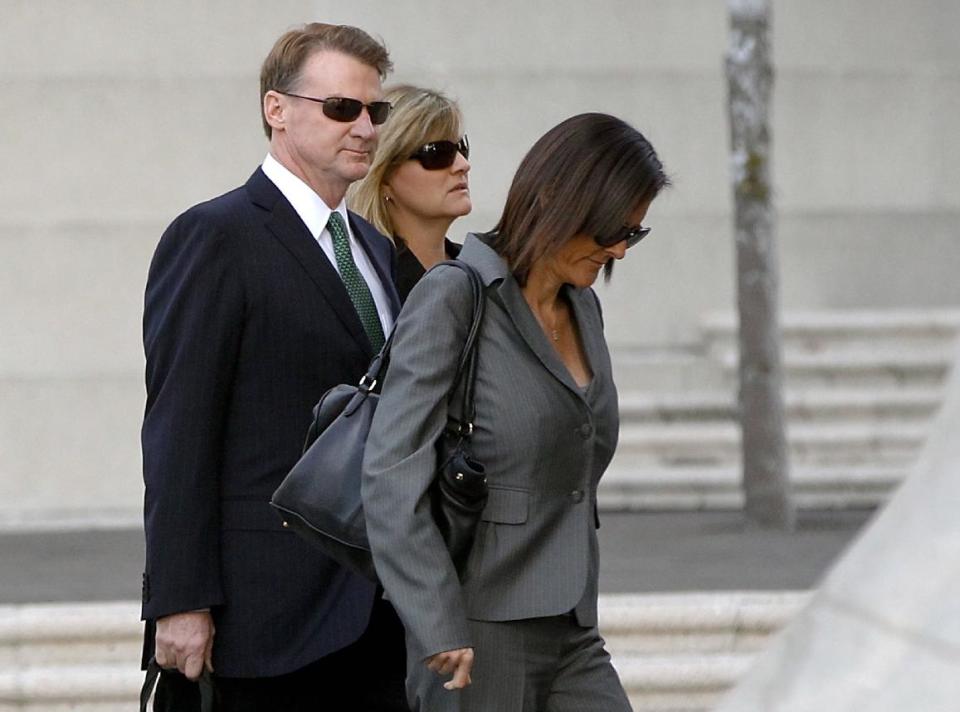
417	185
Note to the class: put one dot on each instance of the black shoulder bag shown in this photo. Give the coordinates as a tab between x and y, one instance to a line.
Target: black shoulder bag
320	497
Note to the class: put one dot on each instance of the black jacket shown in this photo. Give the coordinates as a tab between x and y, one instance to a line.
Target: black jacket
409	269
246	324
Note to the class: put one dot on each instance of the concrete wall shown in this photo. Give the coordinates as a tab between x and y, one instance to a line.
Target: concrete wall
883	631
117	115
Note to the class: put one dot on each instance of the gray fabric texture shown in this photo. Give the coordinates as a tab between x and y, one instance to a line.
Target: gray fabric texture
536	665
544	443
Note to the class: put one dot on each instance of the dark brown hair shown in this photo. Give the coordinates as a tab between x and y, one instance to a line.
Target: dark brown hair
281	69
584	176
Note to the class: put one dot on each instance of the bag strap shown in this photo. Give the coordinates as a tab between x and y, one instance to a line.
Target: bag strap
205	682
467	367
370	378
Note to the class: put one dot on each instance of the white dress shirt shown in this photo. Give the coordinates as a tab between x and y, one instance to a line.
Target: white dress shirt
315	214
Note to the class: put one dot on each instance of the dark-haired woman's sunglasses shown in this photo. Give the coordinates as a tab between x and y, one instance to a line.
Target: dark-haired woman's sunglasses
441	154
631	233
344	109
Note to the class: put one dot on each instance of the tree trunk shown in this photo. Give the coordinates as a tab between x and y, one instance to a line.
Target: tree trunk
766	481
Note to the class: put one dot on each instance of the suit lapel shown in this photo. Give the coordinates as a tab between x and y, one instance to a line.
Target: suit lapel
287	227
591	330
508	295
511	298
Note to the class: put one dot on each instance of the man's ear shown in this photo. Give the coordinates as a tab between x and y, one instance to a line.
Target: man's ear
273	110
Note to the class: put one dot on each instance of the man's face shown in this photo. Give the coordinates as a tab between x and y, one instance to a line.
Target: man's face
329	154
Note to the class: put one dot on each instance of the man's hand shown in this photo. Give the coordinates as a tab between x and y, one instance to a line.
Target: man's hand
185	642
459	662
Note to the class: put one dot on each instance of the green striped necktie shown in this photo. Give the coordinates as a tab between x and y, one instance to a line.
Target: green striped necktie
352	279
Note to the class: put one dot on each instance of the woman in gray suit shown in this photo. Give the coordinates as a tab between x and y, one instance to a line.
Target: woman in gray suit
519	631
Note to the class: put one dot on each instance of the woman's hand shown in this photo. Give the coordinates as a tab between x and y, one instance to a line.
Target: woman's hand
459	662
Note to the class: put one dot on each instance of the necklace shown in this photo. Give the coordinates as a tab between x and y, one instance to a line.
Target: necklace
553	329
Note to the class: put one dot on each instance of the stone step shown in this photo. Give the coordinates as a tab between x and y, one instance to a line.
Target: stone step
673	651
826	329
863	368
683	651
83	633
801	406
686	488
666	371
679	683
80	656
662	624
718	443
103	687
862	347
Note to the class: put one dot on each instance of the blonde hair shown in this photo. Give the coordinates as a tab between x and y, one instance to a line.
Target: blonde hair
418	117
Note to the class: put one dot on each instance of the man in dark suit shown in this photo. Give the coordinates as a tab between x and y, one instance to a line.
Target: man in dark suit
257	302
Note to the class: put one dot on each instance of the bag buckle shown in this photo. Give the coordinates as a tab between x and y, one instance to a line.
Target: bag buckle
367	384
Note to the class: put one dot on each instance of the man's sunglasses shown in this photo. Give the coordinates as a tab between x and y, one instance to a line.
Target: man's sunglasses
631	233
344	109
441	154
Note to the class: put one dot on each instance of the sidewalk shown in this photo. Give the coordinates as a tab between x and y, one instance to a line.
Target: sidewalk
640	552
715	551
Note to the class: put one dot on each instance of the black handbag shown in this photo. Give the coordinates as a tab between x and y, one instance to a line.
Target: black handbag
320	497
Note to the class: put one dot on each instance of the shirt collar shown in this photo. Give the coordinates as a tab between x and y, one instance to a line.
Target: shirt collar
308	205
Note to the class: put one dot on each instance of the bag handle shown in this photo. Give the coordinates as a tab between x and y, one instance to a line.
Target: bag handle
369	380
207	691
467	368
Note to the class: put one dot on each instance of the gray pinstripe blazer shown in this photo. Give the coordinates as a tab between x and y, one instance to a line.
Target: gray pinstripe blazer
544	443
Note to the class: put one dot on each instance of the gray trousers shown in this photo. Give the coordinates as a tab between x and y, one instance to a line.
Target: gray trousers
536	665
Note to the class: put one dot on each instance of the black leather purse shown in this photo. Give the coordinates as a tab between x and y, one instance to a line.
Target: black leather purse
320	497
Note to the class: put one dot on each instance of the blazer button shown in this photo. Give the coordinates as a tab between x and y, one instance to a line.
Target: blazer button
586	430
576	496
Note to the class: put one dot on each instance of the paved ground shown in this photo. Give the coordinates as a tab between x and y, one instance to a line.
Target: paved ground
715	551
640	552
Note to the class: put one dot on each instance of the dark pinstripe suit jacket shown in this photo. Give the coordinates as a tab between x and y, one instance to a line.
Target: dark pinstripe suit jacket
246	324
544	442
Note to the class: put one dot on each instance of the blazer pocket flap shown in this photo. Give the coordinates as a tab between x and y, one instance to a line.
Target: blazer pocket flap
506	506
